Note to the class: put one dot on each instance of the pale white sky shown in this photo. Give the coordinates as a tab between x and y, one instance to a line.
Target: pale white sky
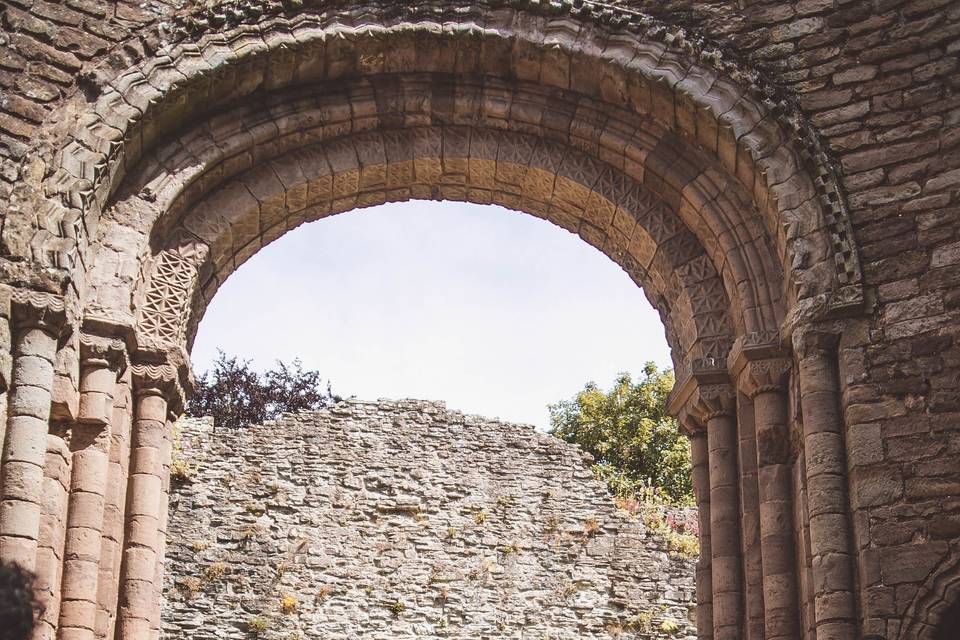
494	312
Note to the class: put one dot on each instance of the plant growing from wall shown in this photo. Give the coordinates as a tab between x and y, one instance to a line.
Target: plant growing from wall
288	603
181	472
189	586
258	626
215	572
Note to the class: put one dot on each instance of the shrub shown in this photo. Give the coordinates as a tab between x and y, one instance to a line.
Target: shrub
629	433
237	396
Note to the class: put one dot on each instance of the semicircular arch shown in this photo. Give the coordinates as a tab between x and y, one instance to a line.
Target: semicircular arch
700	107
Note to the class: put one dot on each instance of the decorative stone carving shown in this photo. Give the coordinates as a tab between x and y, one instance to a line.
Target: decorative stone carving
713	401
102	360
164	312
760	376
202	19
112	351
35	309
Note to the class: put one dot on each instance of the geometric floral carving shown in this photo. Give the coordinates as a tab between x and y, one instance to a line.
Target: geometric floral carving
164	311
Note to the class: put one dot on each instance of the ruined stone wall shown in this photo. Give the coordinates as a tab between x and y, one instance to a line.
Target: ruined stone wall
88	87
406	520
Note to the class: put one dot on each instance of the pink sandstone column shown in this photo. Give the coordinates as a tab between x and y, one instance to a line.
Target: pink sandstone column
753	592
141	550
90	445
700	475
111	552
37	319
823	434
765	382
716	407
53	526
166	455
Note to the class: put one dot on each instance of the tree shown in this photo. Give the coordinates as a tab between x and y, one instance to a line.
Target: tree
237	396
627	430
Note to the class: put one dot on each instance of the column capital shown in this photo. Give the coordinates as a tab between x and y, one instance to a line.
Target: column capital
713	401
761	376
36	309
164	373
701	378
107	351
756	345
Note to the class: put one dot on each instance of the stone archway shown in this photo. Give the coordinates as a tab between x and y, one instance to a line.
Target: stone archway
710	191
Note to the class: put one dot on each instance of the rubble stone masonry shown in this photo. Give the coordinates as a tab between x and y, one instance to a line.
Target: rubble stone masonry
781	178
401	519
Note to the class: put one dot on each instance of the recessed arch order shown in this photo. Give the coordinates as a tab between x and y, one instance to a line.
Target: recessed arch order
171	173
681	152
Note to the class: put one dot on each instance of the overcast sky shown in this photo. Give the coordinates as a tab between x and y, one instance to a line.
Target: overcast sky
494	312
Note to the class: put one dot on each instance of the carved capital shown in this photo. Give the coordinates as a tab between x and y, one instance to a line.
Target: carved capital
164	372
762	376
109	352
37	310
756	345
704	379
713	401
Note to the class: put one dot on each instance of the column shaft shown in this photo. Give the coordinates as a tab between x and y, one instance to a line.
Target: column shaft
91	449
750	521
137	593
725	527
166	454
53	527
25	445
111	552
834	604
781	615
701	488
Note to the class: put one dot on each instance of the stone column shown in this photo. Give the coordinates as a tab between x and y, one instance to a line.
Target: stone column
835	609
141	547
53	526
90	445
765	382
753	593
6	356
166	456
716	406
700	475
111	552
37	320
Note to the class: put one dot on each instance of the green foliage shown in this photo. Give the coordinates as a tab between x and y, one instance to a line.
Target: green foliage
258	626
627	430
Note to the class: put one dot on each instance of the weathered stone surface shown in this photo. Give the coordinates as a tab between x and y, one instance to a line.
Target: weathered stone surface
756	167
476	528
